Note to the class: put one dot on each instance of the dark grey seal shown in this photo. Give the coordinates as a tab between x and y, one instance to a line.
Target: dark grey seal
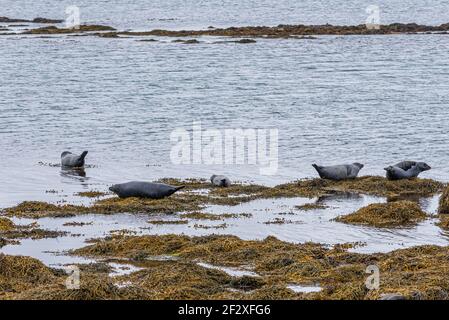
70	160
220	181
141	189
406	170
339	172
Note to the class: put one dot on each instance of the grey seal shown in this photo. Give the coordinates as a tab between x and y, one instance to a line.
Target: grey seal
406	170
339	172
142	189
392	296
220	181
70	160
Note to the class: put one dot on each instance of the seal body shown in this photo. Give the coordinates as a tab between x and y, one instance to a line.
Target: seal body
220	181
142	189
392	296
406	170
339	172
70	160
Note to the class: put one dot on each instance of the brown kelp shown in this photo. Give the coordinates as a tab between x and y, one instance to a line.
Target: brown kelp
415	273
391	214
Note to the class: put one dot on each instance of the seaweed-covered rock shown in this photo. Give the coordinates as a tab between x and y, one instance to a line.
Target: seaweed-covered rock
56	30
399	213
6	224
444	221
443	207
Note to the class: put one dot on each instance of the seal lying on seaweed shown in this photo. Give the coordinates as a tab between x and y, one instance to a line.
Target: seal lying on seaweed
339	172
220	181
406	170
141	189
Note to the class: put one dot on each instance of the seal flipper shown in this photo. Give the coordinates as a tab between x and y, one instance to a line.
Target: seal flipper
318	169
83	155
179	188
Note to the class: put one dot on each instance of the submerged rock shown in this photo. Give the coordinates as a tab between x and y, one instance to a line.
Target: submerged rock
189	41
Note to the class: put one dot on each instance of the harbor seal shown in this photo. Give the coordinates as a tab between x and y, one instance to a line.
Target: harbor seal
220	181
406	170
339	172
141	189
70	160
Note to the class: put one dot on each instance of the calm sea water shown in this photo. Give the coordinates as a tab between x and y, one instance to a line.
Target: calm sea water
371	99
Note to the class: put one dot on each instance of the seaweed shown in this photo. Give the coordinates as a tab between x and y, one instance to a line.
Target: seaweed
10	231
311	206
392	214
443	207
443	221
92	194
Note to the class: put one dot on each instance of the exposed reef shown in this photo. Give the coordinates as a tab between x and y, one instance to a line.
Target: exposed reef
35	20
80	29
268	32
286	31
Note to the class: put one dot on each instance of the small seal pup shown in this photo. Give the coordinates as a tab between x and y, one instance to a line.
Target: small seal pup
220	181
339	172
403	170
141	189
70	160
